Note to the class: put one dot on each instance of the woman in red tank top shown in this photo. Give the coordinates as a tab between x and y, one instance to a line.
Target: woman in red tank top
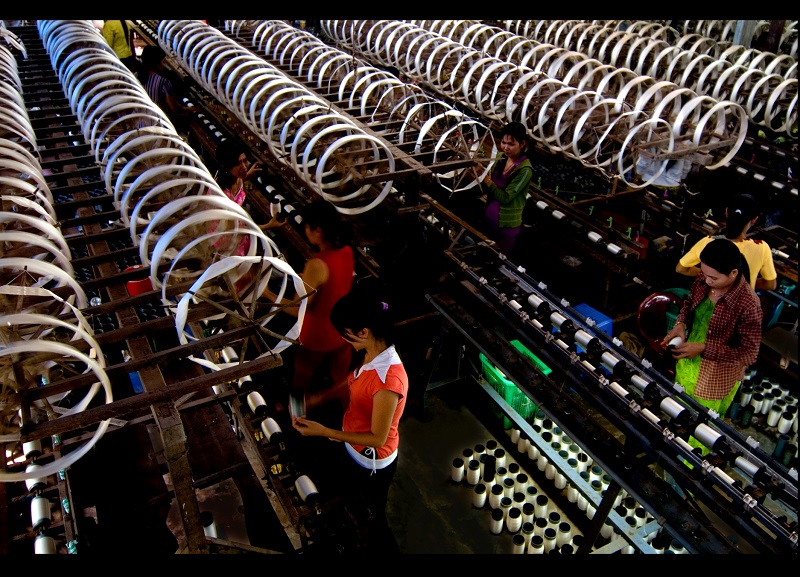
322	359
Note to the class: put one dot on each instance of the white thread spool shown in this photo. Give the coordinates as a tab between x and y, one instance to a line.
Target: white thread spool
457	470
534	301
607	530
706	435
786	421
245	383
583	502
34	484
508	487
774	415
274	208
44	545
537	545
640	514
523	443
496	522
573	463
514	520
520	483
500	473
674	342
528	514
479	496
549	539
572	493
270	428
541	506
467	454
518	543
505	506
769	399
527	532
630	505
539	525
229	355
531	492
542	462
209	526
495	495
473	472
557	319
677	547
564	534
671	407
256	403
40	513
757	402
306	489
595	237
32	449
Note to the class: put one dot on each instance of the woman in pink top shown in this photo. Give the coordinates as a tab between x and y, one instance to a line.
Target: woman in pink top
235	171
378	388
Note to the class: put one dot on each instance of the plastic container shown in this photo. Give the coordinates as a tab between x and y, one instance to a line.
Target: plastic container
510	392
537	362
602	322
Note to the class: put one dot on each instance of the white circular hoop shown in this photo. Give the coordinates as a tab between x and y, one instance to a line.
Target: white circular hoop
633	160
47	273
365	141
221	268
35	348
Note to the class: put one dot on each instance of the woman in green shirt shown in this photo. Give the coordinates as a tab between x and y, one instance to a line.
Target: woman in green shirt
506	186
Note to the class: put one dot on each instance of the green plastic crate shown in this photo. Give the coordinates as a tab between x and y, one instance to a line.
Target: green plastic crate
496	378
537	362
510	392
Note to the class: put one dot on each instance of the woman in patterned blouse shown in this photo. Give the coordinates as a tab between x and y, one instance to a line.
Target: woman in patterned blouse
719	326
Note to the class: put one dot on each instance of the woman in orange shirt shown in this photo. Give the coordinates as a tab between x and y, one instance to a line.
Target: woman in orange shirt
378	388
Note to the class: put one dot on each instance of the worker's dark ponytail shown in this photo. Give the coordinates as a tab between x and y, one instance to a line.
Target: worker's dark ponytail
742	209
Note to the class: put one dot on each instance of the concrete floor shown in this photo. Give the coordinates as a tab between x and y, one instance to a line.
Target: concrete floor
429	512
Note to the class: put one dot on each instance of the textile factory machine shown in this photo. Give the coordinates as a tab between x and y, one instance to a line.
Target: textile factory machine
401	164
